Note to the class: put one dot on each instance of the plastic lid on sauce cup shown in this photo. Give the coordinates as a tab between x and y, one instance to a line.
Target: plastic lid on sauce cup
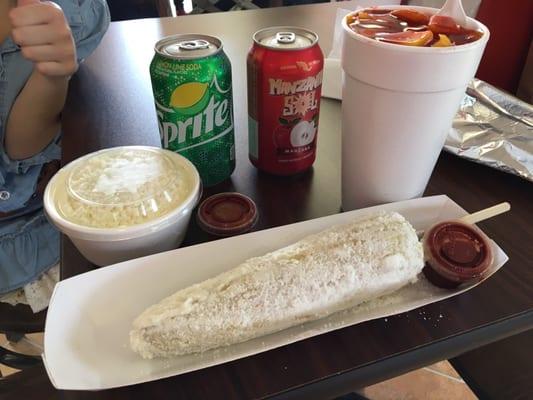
227	214
456	253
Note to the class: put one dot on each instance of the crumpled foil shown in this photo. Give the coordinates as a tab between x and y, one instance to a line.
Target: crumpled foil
495	129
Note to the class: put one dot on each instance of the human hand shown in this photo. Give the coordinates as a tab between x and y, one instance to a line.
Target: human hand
44	36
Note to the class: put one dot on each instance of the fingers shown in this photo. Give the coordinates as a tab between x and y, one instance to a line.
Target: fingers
44	36
22	3
39	35
56	69
35	13
48	53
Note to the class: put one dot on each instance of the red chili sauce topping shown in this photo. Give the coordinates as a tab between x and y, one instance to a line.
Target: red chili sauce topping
456	253
411	28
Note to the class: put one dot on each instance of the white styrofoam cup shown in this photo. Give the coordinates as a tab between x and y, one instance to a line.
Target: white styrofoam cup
398	104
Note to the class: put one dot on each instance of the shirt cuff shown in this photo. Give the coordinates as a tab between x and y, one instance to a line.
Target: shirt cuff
50	153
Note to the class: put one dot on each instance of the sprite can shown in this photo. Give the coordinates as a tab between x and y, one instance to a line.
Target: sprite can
191	80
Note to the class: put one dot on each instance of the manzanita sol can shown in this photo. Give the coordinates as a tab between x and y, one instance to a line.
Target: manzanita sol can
191	80
284	82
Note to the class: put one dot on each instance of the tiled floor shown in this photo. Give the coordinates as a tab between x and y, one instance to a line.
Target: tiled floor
22	347
6	370
435	382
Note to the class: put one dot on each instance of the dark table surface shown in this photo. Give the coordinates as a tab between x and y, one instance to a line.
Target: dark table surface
110	103
500	370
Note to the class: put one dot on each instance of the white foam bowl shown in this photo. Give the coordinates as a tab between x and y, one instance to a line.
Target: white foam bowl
105	246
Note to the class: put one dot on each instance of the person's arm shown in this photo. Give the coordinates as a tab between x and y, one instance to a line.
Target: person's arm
43	34
34	120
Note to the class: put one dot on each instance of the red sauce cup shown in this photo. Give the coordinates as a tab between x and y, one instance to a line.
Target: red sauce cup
456	253
227	214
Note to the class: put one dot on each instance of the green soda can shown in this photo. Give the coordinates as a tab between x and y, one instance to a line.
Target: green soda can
191	80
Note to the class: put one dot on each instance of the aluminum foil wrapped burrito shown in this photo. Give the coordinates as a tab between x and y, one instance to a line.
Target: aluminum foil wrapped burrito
495	129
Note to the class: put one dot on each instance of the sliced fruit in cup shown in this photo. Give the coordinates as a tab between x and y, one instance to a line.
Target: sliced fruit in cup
411	16
444	41
408	38
443	24
411	27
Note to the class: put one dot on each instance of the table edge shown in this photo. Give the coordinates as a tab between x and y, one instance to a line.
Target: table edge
389	367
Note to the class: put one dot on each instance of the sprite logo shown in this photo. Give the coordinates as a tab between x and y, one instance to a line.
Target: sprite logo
196	111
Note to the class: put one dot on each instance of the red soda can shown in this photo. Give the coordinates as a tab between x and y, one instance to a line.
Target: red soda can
284	69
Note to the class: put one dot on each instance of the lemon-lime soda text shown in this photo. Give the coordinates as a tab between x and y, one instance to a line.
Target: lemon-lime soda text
194	108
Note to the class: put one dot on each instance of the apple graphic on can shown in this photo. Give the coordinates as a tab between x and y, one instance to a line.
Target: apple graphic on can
295	133
303	133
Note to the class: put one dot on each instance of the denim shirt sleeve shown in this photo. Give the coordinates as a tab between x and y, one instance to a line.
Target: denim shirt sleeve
89	20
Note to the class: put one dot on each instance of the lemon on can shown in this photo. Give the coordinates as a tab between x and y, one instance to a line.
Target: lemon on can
190	98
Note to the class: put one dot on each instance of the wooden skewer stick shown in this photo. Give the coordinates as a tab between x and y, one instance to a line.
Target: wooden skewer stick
486	213
480	215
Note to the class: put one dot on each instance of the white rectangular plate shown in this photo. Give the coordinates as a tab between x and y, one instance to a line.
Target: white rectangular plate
90	315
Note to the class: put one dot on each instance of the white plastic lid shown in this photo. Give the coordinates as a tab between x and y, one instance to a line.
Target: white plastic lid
123	186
